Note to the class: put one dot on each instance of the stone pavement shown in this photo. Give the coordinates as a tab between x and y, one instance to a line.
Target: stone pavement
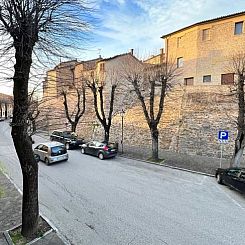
10	212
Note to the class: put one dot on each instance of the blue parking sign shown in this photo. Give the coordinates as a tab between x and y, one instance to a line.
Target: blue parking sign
223	135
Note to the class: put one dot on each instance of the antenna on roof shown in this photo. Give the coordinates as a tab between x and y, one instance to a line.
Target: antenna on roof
99	50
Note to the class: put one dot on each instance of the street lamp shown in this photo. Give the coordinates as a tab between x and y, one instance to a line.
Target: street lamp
122	112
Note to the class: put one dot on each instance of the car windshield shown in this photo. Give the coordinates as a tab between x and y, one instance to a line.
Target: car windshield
58	150
69	134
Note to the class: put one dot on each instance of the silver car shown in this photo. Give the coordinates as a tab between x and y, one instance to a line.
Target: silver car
51	152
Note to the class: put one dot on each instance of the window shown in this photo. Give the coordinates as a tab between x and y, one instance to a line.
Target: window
227	79
233	172
102	67
206	34
189	81
180	62
238	28
207	78
179	42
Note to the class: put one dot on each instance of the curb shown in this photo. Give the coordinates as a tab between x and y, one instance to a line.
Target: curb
167	166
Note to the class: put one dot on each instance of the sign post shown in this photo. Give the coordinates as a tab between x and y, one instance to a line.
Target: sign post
223	137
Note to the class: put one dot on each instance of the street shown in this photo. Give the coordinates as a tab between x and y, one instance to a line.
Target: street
121	201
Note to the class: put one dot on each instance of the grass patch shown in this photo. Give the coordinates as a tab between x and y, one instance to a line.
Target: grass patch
18	239
159	160
2	168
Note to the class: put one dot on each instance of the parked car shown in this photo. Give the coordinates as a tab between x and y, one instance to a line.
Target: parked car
1	119
232	177
70	139
99	149
51	152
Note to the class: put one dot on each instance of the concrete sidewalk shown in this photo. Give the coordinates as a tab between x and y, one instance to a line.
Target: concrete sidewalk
10	213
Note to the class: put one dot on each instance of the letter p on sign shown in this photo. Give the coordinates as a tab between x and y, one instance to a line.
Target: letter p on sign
223	135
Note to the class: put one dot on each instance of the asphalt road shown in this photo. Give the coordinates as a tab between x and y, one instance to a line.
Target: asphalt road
121	201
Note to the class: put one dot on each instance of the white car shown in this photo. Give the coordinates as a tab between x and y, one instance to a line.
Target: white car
50	152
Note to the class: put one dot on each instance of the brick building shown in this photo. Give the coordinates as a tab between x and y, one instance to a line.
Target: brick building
203	51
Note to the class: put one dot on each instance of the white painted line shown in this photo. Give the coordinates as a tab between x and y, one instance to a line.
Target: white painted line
231	199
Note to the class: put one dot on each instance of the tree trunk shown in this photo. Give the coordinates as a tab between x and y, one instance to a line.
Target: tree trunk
22	143
106	134
74	126
238	152
154	138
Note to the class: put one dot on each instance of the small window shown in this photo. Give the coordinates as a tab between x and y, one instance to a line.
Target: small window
189	81
102	67
179	42
227	79
206	34
180	62
44	148
233	172
238	28
207	78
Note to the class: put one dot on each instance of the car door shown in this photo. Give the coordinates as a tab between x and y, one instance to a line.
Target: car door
240	182
91	148
231	177
38	151
45	152
54	136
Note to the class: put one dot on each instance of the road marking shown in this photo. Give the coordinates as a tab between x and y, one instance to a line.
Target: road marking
231	199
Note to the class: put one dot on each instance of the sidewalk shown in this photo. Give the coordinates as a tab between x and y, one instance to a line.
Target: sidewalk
10	213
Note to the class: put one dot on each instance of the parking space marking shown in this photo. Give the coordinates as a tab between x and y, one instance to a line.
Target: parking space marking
231	199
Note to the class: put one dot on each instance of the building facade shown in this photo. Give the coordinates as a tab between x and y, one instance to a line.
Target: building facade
6	106
203	51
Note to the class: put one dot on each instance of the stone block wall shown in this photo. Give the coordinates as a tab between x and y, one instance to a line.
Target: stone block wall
192	117
190	123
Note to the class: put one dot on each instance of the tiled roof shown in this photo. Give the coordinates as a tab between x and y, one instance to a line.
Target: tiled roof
206	22
114	57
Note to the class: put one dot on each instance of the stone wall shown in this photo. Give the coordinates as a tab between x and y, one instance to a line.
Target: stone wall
192	117
190	123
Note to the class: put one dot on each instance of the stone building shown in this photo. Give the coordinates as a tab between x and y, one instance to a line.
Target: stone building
203	51
67	75
6	106
157	59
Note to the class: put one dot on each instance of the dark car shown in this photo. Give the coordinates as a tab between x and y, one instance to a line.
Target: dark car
1	119
99	149
68	138
232	177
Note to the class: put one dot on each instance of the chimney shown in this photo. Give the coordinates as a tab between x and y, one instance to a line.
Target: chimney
131	51
161	50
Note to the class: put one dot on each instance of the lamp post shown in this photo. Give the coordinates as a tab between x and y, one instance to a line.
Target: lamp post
122	112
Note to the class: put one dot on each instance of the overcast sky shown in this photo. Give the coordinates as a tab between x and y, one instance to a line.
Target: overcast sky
139	24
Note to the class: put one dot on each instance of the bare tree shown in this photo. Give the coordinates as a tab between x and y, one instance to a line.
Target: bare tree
151	83
104	101
32	27
33	113
238	67
75	115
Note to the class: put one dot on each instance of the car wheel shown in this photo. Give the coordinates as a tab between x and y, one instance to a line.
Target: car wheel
219	179
46	161
82	151
101	156
67	146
